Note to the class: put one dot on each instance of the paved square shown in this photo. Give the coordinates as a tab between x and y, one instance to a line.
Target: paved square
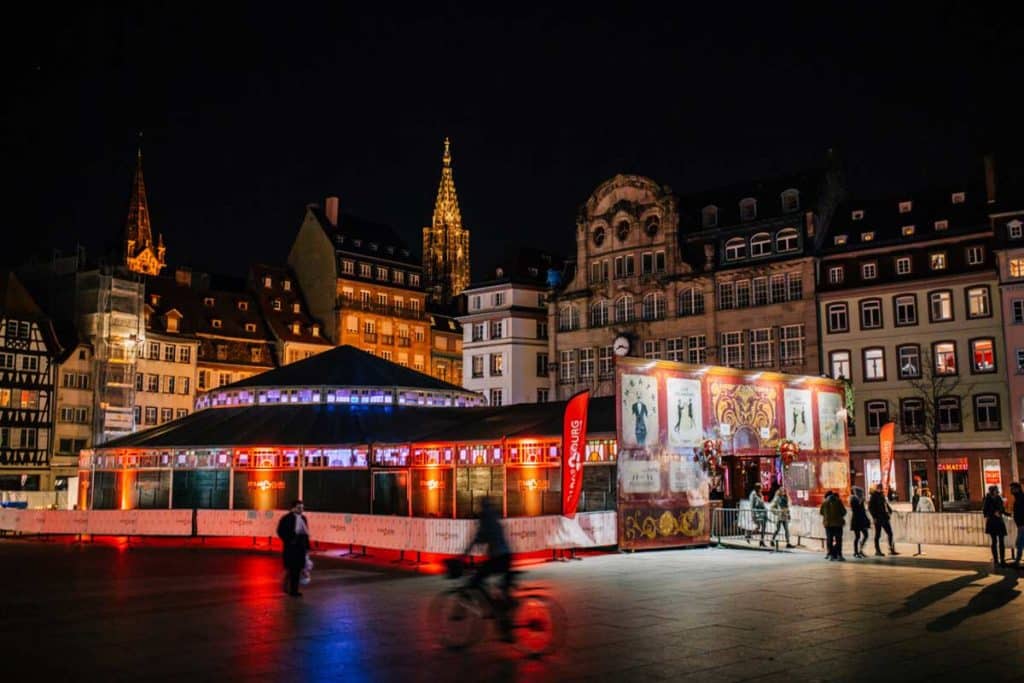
101	612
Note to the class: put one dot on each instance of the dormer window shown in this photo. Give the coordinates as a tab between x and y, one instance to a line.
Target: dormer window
250	327
315	330
217	323
373	246
748	209
869	270
268	282
405	252
791	200
154	299
287	285
357	243
296	328
906	207
709	217
296	308
941	225
857	215
839	240
1015	229
208	302
735	249
867	236
907	230
959	197
172	324
391	250
276	304
243	305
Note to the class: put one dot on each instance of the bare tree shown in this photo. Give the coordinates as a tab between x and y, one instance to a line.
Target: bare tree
931	387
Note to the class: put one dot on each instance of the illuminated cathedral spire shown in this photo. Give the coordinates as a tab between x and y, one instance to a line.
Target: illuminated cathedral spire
141	254
445	241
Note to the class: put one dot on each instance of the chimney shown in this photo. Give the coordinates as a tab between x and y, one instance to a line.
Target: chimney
331	210
990	179
183	276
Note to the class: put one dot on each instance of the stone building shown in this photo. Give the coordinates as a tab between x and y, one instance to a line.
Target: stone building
362	283
445	348
297	335
908	298
72	428
141	254
446	241
723	277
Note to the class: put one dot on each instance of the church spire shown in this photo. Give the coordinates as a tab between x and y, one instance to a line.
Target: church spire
446	241
141	254
446	208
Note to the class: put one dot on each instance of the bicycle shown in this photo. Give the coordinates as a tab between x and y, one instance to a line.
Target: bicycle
535	622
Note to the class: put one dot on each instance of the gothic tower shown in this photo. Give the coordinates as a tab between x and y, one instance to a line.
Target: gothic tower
141	255
445	241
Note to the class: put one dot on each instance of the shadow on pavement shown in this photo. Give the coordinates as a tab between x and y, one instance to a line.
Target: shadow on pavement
935	592
990	598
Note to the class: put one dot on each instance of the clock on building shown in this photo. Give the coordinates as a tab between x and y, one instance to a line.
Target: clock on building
620	347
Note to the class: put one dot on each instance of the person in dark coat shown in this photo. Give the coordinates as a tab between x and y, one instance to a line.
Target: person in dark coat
293	530
833	514
1018	519
995	526
880	511
859	522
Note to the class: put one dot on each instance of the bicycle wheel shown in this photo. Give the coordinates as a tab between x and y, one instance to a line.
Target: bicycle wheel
456	616
538	625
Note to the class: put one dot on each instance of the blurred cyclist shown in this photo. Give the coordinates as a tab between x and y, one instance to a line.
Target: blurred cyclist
499	560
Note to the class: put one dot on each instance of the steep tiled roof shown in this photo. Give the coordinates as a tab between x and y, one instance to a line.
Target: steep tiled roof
278	305
360	237
237	312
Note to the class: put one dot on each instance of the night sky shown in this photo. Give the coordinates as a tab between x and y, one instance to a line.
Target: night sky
249	114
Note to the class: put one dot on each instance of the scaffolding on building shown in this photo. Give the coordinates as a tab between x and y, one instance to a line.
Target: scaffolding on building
109	310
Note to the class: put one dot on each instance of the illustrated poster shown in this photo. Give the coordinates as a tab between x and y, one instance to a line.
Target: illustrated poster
831	423
685	414
639	410
798	417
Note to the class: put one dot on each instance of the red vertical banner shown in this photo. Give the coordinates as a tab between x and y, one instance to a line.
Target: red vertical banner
574	443
886	438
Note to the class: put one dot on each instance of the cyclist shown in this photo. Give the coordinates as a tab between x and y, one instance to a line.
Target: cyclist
499	561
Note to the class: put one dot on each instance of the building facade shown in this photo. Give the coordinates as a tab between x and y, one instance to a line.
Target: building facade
910	314
446	241
505	333
361	281
28	353
723	277
445	348
296	334
1008	227
75	403
165	383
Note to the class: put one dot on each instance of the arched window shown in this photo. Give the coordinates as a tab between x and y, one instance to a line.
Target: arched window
790	200
624	311
748	209
599	314
568	318
654	306
709	216
735	249
787	239
691	302
761	244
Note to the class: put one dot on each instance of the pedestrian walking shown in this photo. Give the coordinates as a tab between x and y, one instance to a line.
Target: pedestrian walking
780	507
925	503
916	497
293	530
1018	519
859	522
995	526
758	512
881	511
833	512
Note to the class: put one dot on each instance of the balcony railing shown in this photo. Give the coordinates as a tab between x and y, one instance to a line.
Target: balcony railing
381	309
370	337
387	339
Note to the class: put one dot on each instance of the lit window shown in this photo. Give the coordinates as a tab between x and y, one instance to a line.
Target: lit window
941	225
287	284
217	324
945	358
938	260
1017	267
978	303
959	197
208	302
907	230
250	327
941	306
267	282
276	304
296	308
839	240
867	236
909	361
840	363
983	357
874	364
906	207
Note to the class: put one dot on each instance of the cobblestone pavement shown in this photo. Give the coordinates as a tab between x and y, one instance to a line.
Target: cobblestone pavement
103	612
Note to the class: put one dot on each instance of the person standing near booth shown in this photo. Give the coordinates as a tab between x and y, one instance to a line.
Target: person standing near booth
995	526
880	511
859	522
293	530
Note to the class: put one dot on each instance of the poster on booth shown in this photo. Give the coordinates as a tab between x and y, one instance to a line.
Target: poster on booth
992	474
662	488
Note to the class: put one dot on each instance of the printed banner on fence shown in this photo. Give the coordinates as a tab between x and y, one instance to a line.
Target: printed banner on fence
260	523
574	436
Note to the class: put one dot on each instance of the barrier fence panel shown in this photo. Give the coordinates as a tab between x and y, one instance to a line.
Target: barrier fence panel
257	523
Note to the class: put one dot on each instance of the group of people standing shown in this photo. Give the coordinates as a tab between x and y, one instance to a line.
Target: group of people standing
778	505
994	510
833	514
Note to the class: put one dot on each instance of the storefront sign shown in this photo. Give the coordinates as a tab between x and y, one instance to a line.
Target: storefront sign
885	445
992	473
957	465
266	485
574	439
